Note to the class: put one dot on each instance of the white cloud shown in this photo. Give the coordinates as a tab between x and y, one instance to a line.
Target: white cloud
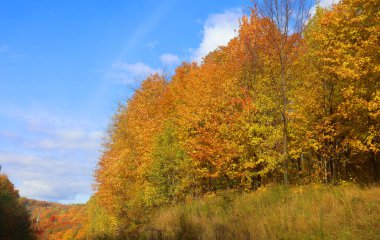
218	30
48	176
69	139
138	68
51	157
327	3
36	188
78	198
323	4
52	131
130	73
52	190
169	59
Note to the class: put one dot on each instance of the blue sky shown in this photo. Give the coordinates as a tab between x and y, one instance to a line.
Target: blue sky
64	65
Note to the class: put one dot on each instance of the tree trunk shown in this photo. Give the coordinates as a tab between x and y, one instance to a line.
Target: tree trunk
375	168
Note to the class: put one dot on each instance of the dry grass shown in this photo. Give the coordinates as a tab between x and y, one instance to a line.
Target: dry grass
277	212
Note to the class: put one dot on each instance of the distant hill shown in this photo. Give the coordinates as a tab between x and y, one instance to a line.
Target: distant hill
54	220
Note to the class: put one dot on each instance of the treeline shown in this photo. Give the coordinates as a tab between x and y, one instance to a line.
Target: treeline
15	223
289	100
56	221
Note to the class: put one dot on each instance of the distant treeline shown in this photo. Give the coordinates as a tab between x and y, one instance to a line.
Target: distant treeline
56	221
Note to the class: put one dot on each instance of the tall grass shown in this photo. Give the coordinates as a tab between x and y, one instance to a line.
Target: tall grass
277	212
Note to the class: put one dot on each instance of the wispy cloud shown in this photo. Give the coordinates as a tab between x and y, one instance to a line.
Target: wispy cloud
169	59
78	198
69	139
131	73
152	44
48	176
218	30
49	156
53	190
8	134
145	27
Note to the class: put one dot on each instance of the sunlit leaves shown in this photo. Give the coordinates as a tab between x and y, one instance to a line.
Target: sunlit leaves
268	103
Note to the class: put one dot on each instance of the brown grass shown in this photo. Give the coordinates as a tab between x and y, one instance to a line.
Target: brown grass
276	212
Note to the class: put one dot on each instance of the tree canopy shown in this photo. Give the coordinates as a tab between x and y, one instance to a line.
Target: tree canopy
278	104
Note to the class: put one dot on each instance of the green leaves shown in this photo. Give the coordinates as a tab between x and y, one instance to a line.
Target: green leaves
170	174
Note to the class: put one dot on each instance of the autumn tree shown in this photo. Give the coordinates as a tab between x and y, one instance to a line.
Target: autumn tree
97	223
14	217
171	172
343	45
286	19
284	101
126	160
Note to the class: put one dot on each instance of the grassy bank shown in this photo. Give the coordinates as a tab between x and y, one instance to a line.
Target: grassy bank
277	212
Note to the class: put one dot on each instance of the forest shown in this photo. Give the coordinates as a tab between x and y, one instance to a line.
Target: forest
274	136
290	101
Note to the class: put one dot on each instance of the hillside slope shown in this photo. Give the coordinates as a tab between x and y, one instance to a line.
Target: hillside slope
306	212
54	220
